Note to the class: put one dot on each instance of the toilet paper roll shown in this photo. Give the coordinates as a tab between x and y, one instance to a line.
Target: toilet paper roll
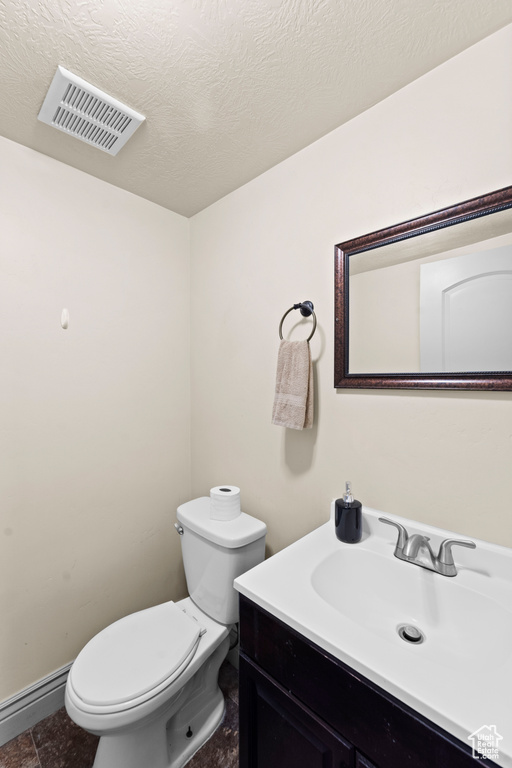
224	502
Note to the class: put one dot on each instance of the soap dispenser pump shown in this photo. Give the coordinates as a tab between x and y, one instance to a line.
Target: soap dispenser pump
348	518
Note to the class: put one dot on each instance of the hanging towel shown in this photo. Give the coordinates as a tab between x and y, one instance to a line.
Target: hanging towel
293	402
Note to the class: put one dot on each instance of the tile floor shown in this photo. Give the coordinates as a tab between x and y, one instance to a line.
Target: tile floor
56	742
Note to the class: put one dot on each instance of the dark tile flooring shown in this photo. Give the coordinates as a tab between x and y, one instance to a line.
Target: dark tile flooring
56	742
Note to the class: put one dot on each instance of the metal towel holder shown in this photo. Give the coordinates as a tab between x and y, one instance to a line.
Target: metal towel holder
306	310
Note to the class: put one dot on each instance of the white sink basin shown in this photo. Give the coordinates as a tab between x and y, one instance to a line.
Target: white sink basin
455	620
350	599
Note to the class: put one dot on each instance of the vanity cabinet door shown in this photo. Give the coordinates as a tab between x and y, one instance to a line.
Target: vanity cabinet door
363	762
278	731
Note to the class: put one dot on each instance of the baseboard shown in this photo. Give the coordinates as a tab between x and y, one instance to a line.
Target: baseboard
27	708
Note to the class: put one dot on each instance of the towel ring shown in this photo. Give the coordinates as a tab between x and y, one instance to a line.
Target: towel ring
306	309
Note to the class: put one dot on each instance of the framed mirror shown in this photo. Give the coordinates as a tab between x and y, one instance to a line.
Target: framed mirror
428	303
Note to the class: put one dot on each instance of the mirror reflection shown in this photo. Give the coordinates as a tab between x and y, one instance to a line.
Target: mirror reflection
441	302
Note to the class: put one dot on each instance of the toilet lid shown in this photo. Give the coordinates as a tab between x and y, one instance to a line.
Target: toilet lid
134	655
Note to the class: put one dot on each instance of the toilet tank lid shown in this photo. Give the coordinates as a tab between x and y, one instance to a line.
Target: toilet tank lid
243	530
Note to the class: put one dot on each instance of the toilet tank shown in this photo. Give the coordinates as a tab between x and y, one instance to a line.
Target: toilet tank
215	553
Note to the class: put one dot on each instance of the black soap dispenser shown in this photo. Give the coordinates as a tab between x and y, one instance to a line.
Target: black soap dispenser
348	520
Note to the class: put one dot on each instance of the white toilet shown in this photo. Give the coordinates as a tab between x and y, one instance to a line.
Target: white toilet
147	684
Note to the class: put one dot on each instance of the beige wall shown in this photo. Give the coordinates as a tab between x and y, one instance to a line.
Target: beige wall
385	319
95	420
443	458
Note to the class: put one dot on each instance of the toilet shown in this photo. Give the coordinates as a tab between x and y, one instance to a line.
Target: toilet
148	684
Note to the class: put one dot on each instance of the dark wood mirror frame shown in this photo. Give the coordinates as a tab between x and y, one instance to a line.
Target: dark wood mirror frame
447	217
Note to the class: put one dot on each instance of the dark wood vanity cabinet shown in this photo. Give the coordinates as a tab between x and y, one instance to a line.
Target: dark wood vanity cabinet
302	708
280	731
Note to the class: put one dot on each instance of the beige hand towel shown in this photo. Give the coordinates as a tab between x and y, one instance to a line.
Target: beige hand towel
293	402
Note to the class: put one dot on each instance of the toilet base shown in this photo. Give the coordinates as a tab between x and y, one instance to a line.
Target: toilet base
173	737
142	749
202	726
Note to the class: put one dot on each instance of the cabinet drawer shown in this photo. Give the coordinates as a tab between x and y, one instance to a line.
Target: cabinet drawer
385	730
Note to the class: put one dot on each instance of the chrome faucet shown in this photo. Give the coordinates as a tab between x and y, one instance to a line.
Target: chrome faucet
417	550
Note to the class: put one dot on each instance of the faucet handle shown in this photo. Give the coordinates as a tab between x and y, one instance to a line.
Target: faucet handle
445	556
402	533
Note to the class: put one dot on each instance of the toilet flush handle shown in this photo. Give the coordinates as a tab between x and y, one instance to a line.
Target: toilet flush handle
179	528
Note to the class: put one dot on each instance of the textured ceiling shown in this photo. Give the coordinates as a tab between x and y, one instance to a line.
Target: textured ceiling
229	87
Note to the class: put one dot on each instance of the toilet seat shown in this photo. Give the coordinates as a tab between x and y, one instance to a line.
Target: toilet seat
134	659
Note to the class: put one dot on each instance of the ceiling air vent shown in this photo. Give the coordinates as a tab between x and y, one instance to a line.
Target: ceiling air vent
74	106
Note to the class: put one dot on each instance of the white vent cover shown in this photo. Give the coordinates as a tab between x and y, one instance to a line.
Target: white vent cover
74	106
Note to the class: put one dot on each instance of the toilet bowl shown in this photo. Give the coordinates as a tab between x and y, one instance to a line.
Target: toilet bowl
148	684
136	714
